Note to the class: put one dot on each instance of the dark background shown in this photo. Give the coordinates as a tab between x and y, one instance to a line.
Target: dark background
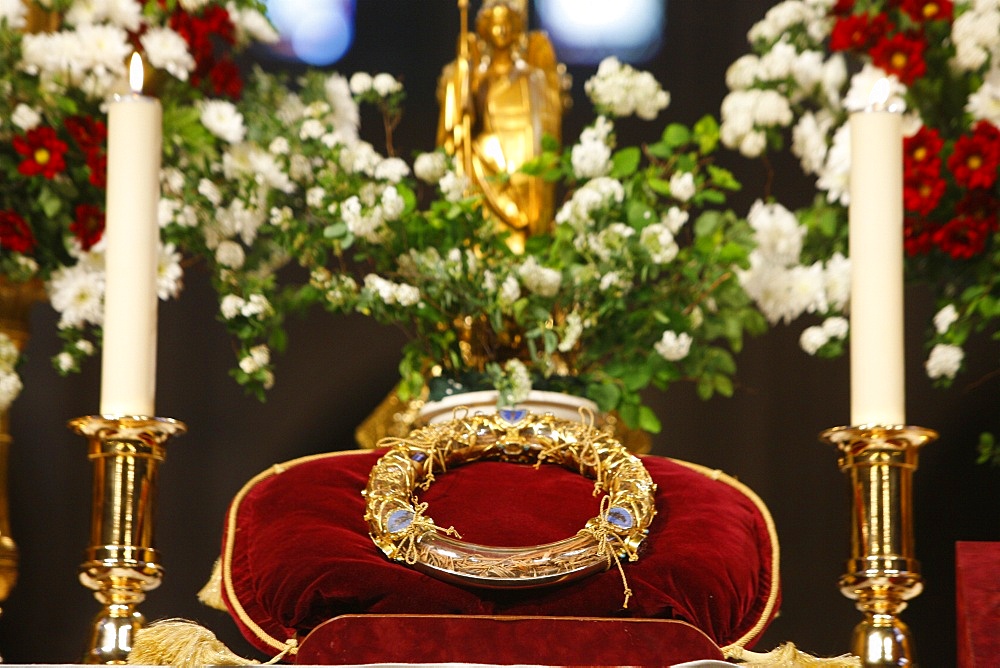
337	369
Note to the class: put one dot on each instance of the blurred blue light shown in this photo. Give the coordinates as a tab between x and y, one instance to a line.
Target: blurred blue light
317	32
586	31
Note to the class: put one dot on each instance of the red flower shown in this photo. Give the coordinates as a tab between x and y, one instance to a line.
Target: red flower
15	234
225	78
923	186
975	157
201	33
922	192
922	151
928	10
97	163
918	236
980	203
964	237
842	7
902	55
88	133
88	225
858	31
43	152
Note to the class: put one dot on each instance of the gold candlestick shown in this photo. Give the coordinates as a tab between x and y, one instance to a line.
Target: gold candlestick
882	573
121	563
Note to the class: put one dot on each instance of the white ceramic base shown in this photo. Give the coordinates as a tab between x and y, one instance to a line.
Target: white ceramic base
564	406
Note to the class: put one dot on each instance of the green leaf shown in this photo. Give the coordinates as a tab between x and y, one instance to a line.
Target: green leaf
659	186
605	395
648	421
625	162
336	231
675	135
706	133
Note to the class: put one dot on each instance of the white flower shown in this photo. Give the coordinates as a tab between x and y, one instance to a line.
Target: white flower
659	242
835	173
168	272
8	352
210	191
65	362
571	335
809	140
223	120
674	219
984	104
392	204
14	12
812	339
836	327
777	232
543	281
672	346
167	50
682	186
343	109
510	291
231	306
838	281
256	305
945	318
430	167
25	117
10	387
590	159
385	84
77	294
392	170
252	25
453	186
230	254
623	90
518	382
360	83
258	358
944	361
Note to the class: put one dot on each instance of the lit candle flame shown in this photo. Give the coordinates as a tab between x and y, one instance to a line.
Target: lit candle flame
135	73
879	95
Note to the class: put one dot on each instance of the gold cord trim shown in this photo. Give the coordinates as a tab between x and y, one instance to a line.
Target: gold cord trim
772	596
283	647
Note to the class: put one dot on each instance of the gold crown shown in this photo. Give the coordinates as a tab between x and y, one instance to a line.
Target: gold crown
519	6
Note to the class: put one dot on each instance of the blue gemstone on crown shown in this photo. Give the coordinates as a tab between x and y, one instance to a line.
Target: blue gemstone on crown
620	518
399	520
418	456
512	415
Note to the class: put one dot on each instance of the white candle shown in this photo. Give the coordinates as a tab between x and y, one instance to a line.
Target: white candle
131	236
876	250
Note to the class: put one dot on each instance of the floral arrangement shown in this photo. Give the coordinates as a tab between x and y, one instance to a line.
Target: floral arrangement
636	285
271	186
60	60
814	60
10	381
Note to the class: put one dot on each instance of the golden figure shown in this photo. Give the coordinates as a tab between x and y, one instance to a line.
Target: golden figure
499	97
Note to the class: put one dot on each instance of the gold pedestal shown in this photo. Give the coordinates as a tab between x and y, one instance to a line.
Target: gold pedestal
882	573
121	563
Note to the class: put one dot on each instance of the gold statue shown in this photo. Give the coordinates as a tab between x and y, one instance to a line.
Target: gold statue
499	97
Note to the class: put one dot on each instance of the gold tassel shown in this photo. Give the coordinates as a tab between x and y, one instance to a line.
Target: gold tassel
183	644
211	594
788	656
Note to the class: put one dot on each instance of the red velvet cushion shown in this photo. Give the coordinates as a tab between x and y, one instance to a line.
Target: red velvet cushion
296	550
440	639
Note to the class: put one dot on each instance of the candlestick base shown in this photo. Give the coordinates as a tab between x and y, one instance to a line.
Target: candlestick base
121	564
882	573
